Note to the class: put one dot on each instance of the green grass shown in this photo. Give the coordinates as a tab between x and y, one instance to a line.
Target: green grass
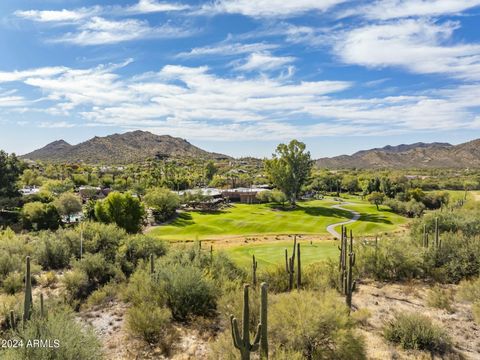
273	253
310	217
373	221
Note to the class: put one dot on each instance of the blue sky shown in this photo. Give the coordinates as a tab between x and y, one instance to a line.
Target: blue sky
240	76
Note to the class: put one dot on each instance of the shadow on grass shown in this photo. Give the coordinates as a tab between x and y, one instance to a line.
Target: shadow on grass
374	218
182	219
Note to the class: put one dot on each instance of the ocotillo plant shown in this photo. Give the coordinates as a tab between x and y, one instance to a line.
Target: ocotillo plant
211	254
349	282
242	342
27	304
264	321
254	270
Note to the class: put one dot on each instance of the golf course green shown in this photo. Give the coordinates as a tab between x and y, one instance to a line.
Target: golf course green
273	253
309	218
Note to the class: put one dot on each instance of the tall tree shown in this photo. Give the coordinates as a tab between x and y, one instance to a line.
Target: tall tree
290	168
122	209
10	170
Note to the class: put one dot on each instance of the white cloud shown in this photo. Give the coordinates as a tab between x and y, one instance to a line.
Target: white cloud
99	31
195	103
264	61
395	9
270	8
228	49
152	6
6	76
418	45
79	14
60	16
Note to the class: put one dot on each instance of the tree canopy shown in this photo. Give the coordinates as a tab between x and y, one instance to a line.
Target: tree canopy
290	168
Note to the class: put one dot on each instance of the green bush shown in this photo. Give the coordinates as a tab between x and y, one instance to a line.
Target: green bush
51	252
13	283
88	275
122	209
75	340
315	325
138	247
393	259
188	292
163	202
143	288
458	258
416	331
152	324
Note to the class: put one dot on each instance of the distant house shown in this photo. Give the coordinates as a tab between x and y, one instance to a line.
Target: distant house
29	190
243	195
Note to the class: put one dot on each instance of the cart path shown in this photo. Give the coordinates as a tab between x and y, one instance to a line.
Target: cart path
356	216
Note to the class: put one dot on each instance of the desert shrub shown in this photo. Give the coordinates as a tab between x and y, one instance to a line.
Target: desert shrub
458	258
469	290
7	303
222	268
320	276
276	278
416	331
440	298
76	284
9	263
48	279
138	247
394	259
51	252
101	296
222	348
231	303
88	275
13	282
152	324
142	288
323	333
97	237
361	316
76	341
188	292
464	220
476	312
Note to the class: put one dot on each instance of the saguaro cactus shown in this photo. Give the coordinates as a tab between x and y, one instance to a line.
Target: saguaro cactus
264	321
27	304
349	282
42	309
12	319
254	270
152	264
290	264
342	264
242	342
438	242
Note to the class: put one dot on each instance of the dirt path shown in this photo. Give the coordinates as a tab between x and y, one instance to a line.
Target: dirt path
356	216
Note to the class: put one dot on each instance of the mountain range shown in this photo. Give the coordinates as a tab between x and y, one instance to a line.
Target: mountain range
418	155
138	146
130	147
